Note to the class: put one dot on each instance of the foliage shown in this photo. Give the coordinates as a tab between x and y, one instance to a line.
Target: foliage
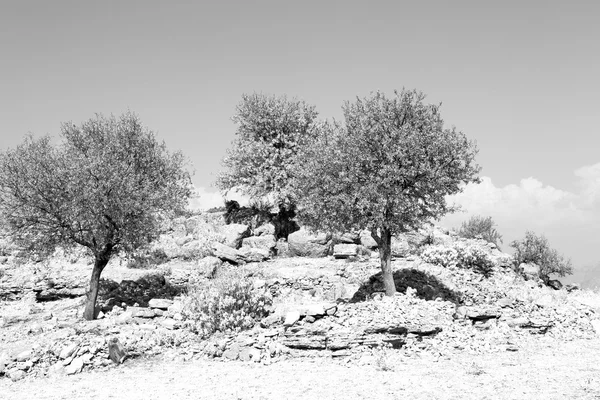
388	169
459	255
478	227
105	187
536	249
228	303
271	131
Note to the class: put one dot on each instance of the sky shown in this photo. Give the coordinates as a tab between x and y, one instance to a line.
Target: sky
519	77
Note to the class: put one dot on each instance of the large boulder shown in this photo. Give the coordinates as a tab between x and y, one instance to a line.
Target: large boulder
266	229
252	254
264	242
400	246
227	253
234	234
303	243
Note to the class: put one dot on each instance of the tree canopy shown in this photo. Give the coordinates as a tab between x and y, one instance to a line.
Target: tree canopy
536	249
387	169
105	187
271	130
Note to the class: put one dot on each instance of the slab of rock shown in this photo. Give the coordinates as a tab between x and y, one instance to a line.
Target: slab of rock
303	243
162	304
265	242
227	253
254	254
348	238
345	250
291	318
367	240
234	234
170	323
68	350
24	355
141	312
75	367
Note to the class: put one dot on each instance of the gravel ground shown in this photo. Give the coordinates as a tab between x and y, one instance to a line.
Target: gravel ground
545	370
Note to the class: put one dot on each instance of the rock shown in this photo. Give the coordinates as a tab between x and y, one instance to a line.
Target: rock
16	374
282	248
344	250
254	354
291	318
68	350
555	284
596	325
306	244
116	351
141	312
227	253
270	320
347	238
24	355
233	352
208	266
234	234
367	240
571	287
245	354
266	229
530	271
169	323
162	304
75	367
264	242
545	301
254	254
400	246
176	307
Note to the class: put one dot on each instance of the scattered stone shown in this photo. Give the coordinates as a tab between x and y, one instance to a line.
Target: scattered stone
227	253
234	234
68	350
24	355
291	318
16	374
75	367
141	312
162	304
169	323
233	352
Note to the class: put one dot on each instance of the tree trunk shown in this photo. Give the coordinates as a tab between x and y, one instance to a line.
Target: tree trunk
90	304
384	242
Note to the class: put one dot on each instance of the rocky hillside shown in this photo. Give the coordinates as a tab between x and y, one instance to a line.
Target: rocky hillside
454	295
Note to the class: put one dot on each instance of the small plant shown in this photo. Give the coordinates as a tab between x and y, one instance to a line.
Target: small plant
459	255
478	227
228	303
440	255
536	249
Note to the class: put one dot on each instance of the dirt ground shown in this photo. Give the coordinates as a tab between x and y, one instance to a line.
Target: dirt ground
545	370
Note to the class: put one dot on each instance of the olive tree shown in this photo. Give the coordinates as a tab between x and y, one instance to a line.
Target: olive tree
388	168
105	187
271	130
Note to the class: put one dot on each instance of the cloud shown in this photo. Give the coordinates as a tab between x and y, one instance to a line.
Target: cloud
569	219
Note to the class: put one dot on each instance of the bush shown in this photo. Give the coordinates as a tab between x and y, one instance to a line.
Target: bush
478	227
459	255
228	303
536	249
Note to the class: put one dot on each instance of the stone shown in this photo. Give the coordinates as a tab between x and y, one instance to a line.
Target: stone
233	352
270	320
208	266
16	374
555	284
303	243
227	253
24	355
162	304
254	254
264	242
291	318
141	312
571	287
116	351
234	234
169	323
68	350
348	238
367	240
345	250
254	354
544	301
530	271
75	367
596	325
245	354
266	229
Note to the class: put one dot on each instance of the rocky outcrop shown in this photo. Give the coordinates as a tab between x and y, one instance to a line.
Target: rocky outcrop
265	242
234	234
227	253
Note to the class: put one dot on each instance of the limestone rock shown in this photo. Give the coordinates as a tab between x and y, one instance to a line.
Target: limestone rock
264	230
75	367
306	244
141	312
291	318
16	374
234	234
68	350
227	253
162	304
208	266
345	250
254	254
265	242
367	240
530	271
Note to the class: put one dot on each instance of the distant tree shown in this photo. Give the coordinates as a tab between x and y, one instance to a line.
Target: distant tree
478	227
536	249
388	170
105	187
271	131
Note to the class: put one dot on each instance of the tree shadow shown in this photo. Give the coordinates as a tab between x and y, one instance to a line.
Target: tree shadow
140	291
428	287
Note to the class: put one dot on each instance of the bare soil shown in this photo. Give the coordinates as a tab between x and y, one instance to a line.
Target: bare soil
545	370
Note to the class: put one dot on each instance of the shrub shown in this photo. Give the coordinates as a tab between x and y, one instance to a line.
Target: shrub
478	227
459	255
536	249
228	303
